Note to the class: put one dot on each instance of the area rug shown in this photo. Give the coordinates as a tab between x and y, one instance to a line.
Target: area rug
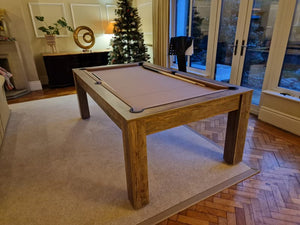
56	168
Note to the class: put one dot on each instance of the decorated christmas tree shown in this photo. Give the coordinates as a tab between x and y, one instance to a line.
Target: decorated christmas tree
127	42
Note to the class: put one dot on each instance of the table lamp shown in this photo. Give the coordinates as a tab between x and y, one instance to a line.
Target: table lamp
110	27
3	28
2	13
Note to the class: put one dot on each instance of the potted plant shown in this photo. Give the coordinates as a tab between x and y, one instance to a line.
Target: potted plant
52	30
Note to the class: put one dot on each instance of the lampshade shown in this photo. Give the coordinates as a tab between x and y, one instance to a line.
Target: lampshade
110	27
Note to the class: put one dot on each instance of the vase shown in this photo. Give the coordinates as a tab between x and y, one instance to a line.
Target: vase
51	42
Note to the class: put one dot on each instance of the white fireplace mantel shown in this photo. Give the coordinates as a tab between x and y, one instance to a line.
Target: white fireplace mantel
10	50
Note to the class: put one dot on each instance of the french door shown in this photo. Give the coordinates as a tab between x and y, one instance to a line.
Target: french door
232	41
231	38
196	18
245	58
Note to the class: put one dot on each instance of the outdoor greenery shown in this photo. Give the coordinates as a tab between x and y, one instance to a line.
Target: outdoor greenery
200	41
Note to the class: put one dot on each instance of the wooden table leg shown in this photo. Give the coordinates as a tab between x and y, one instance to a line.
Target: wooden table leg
82	100
135	154
236	130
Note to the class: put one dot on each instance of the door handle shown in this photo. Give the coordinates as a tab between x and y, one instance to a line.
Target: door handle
235	47
243	46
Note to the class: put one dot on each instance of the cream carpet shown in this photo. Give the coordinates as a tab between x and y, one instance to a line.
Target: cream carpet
56	169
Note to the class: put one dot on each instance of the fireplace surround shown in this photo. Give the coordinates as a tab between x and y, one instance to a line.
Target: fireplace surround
11	55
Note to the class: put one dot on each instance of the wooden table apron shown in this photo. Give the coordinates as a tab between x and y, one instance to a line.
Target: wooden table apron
135	126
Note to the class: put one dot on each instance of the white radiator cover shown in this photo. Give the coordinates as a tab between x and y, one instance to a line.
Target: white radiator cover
279	119
280	111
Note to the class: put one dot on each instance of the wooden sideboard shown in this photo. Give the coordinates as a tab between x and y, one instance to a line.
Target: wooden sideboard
59	65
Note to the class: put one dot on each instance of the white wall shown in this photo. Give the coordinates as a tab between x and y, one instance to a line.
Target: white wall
21	27
145	12
65	44
18	28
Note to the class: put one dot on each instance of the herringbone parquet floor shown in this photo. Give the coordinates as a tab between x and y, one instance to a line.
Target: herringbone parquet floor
271	197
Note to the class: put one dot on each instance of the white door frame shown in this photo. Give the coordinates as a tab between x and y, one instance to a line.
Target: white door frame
282	28
241	38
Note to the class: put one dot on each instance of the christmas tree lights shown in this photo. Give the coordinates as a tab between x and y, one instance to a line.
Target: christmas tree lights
128	42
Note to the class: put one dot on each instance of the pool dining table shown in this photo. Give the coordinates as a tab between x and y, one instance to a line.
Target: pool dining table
143	98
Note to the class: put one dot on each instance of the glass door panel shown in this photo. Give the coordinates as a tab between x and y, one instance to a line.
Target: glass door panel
290	74
257	49
199	31
192	18
181	22
182	18
226	40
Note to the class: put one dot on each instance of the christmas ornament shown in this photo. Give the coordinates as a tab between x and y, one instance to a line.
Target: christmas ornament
127	43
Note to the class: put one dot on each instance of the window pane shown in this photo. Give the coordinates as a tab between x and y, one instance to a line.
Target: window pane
260	34
200	24
227	30
181	21
182	17
290	74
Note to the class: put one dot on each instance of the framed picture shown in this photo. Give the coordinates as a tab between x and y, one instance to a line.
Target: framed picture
88	15
51	13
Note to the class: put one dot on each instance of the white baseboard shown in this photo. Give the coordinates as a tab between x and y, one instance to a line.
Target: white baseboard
279	119
35	85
